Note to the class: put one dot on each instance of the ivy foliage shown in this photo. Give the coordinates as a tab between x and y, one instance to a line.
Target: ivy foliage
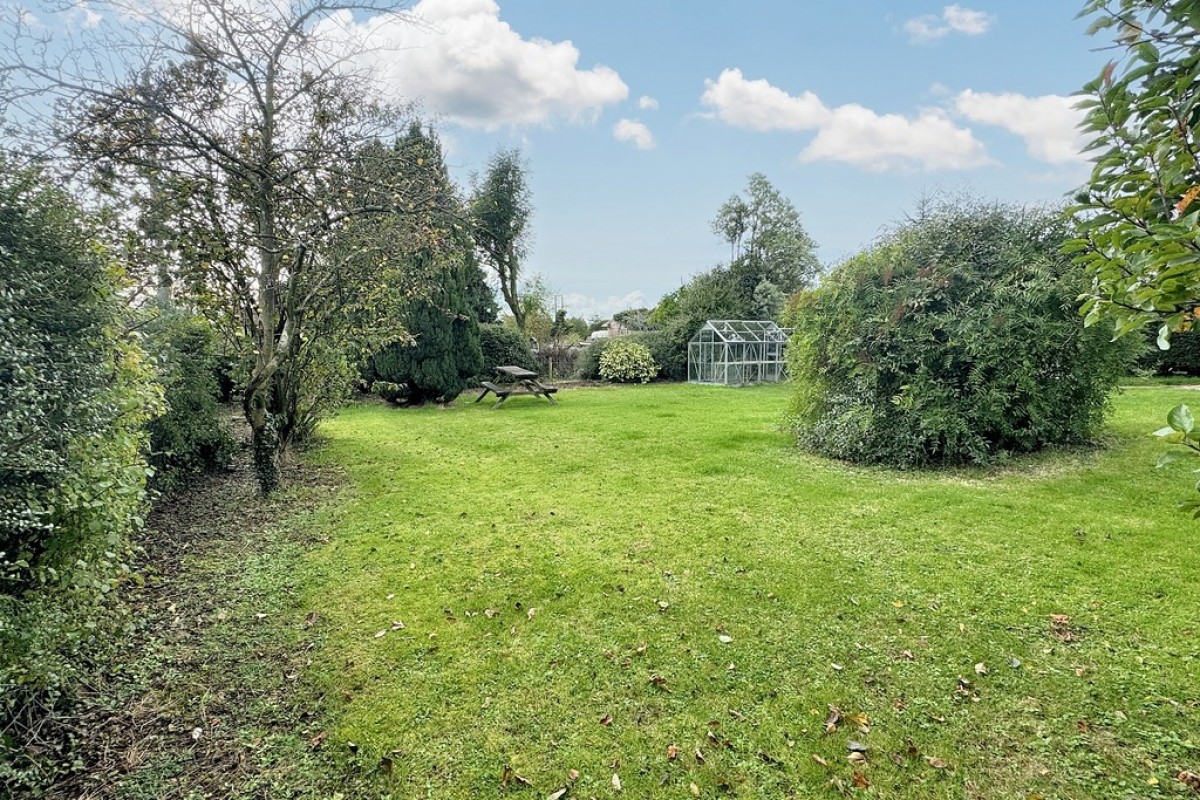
953	340
76	393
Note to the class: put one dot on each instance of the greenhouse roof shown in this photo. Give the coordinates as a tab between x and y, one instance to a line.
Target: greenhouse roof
742	330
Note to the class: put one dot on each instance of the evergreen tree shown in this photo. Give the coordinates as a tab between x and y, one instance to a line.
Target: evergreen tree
444	354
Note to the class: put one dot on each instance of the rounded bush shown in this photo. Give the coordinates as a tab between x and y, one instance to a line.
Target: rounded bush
955	339
624	361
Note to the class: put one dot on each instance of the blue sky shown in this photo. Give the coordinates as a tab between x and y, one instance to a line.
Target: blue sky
906	98
639	118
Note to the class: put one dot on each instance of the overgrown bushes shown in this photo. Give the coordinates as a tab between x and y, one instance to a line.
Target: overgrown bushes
955	339
76	393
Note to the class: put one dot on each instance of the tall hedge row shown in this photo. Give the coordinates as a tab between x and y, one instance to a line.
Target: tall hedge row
76	393
955	339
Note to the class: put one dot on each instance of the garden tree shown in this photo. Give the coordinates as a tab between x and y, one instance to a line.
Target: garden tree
955	339
1138	215
500	209
246	118
443	354
768	245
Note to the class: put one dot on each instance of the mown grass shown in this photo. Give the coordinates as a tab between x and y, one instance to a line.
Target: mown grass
583	586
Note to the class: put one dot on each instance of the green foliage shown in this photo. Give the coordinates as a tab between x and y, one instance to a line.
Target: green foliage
953	340
1181	430
626	361
76	393
445	356
189	437
771	255
500	209
503	345
1138	216
587	365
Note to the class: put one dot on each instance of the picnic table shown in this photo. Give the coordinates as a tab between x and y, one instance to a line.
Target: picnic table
511	381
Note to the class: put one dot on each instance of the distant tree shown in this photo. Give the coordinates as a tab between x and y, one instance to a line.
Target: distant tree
767	241
634	319
500	208
243	120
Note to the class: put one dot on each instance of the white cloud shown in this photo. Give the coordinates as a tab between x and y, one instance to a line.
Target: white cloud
647	103
1047	124
759	106
634	132
466	64
878	142
954	19
851	133
579	305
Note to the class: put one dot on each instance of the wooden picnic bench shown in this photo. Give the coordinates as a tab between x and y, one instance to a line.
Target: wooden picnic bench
515	381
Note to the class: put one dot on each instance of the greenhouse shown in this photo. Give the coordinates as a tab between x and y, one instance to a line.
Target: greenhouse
734	352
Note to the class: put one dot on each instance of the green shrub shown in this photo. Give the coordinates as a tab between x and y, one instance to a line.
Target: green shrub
502	346
445	354
956	339
189	437
625	361
587	365
77	393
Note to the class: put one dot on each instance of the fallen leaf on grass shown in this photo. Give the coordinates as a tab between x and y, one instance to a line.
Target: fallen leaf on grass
397	625
381	634
856	747
724	638
530	613
699	756
659	682
559	795
616	782
981	669
317	740
694	789
936	762
663	605
831	721
672	752
489	613
860	781
898	603
606	720
573	774
1189	779
857	758
820	760
836	667
507	776
1060	627
737	714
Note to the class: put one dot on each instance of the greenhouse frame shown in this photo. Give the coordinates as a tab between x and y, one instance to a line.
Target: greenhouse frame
735	352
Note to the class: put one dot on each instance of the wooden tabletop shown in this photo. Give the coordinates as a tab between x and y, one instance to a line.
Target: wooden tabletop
520	373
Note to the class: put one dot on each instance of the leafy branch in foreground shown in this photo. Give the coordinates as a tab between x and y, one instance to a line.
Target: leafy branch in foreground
1181	430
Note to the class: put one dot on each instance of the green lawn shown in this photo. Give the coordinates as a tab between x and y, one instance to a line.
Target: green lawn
583	586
